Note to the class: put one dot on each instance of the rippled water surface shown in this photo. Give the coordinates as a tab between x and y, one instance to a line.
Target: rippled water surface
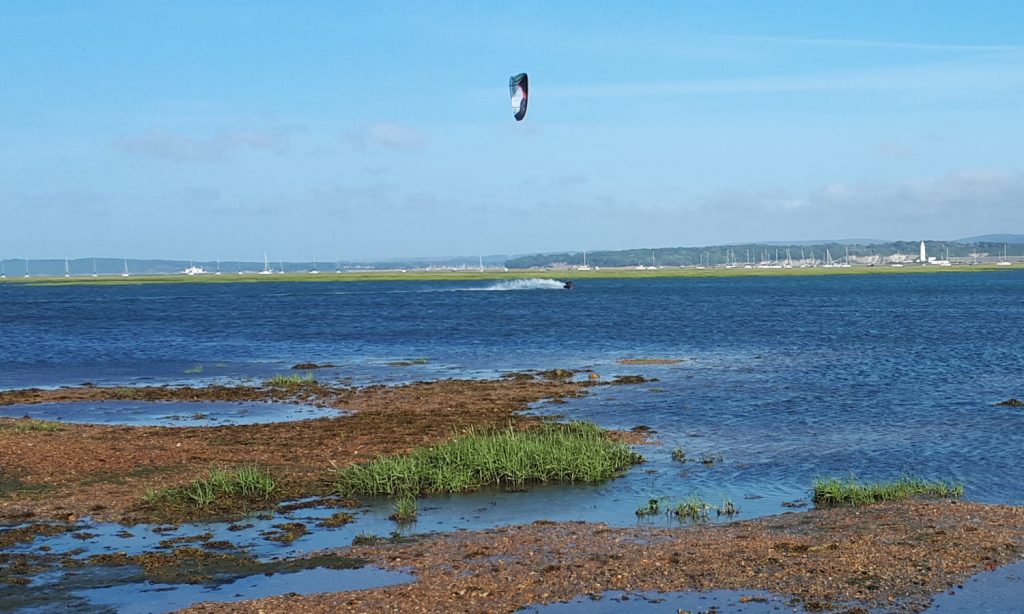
166	413
785	378
781	379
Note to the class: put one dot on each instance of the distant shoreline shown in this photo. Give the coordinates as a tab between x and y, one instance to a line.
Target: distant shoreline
426	275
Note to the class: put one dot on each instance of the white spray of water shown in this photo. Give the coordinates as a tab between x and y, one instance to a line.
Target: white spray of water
524	284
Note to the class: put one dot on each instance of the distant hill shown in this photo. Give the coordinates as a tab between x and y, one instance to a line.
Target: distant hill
754	253
1003	238
862	251
829	242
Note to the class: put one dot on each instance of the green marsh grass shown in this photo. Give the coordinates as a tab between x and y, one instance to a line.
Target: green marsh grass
29	425
123	392
366	539
290	381
693	508
248	482
851	491
405	510
552	453
653	508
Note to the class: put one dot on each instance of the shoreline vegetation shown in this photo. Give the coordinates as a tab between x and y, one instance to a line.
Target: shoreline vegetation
513	274
890	545
552	453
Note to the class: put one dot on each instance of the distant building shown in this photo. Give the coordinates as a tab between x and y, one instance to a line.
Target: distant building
924	257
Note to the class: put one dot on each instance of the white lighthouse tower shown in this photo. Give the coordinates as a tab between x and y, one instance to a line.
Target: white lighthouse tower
924	257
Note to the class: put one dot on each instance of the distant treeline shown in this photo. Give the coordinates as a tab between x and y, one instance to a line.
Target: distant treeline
754	253
712	255
81	267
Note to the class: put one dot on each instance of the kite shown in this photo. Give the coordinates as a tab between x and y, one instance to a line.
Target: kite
519	89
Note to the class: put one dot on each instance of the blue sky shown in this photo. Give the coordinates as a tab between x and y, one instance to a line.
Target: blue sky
220	130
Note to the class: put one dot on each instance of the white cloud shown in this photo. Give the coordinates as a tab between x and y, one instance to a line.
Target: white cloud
894	151
389	135
854	42
964	77
159	143
71	201
960	202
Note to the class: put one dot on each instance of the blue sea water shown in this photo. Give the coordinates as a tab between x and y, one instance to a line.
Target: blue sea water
785	377
781	380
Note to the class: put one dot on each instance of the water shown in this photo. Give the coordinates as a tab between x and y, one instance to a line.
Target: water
782	379
167	413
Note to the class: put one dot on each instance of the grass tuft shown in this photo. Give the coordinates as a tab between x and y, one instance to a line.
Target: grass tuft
653	508
290	382
405	510
247	482
29	425
552	453
851	491
694	508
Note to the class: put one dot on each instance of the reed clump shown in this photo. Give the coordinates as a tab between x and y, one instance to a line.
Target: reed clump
851	491
248	483
405	510
552	453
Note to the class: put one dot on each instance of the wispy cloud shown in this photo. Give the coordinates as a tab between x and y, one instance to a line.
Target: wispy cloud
870	43
971	199
390	135
72	201
894	151
567	182
962	77
957	203
561	182
329	200
180	147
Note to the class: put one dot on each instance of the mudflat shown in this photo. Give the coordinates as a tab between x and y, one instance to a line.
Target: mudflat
893	556
105	471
